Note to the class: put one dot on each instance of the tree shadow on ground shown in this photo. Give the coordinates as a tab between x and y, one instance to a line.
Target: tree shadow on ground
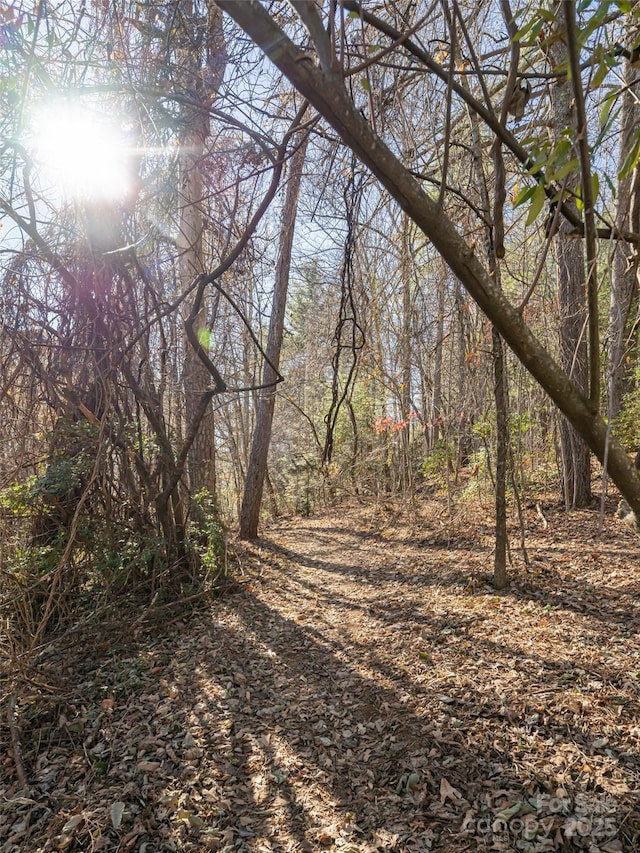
348	741
310	710
412	616
617	606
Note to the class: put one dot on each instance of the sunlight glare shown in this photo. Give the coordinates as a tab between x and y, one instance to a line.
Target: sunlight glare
82	153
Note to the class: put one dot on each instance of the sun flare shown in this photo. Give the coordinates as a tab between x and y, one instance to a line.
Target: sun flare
82	152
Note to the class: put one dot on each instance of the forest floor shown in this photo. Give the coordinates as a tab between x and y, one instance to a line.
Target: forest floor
360	687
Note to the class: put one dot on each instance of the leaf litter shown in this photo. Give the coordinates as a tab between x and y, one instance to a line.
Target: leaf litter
360	688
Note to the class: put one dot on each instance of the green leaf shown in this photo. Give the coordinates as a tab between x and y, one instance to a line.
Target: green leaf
631	159
595	186
613	189
562	148
364	82
538	159
204	337
566	169
605	112
523	196
596	20
601	72
530	29
537	203
522	32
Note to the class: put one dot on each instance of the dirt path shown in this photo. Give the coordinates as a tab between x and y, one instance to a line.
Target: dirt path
363	689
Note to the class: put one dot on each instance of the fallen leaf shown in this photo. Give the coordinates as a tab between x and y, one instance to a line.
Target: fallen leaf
115	813
148	766
448	792
73	823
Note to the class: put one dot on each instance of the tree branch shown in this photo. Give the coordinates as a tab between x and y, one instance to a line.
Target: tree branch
327	94
489	118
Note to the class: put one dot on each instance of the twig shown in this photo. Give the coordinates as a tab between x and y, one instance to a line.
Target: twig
15	742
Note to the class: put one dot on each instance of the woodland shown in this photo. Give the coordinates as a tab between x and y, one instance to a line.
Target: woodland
319	405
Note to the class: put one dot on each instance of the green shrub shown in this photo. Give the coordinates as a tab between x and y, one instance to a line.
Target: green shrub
440	458
206	535
626	426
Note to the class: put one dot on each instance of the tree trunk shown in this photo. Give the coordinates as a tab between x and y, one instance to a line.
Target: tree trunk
406	360
195	377
499	373
461	429
196	58
436	403
502	448
254	481
624	279
575	457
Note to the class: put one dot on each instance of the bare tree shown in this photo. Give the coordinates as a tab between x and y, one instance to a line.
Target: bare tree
323	86
199	70
575	460
624	277
257	466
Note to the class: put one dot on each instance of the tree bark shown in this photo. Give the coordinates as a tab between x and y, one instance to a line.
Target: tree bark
624	279
575	467
500	390
436	400
196	378
257	467
326	92
406	359
501	397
